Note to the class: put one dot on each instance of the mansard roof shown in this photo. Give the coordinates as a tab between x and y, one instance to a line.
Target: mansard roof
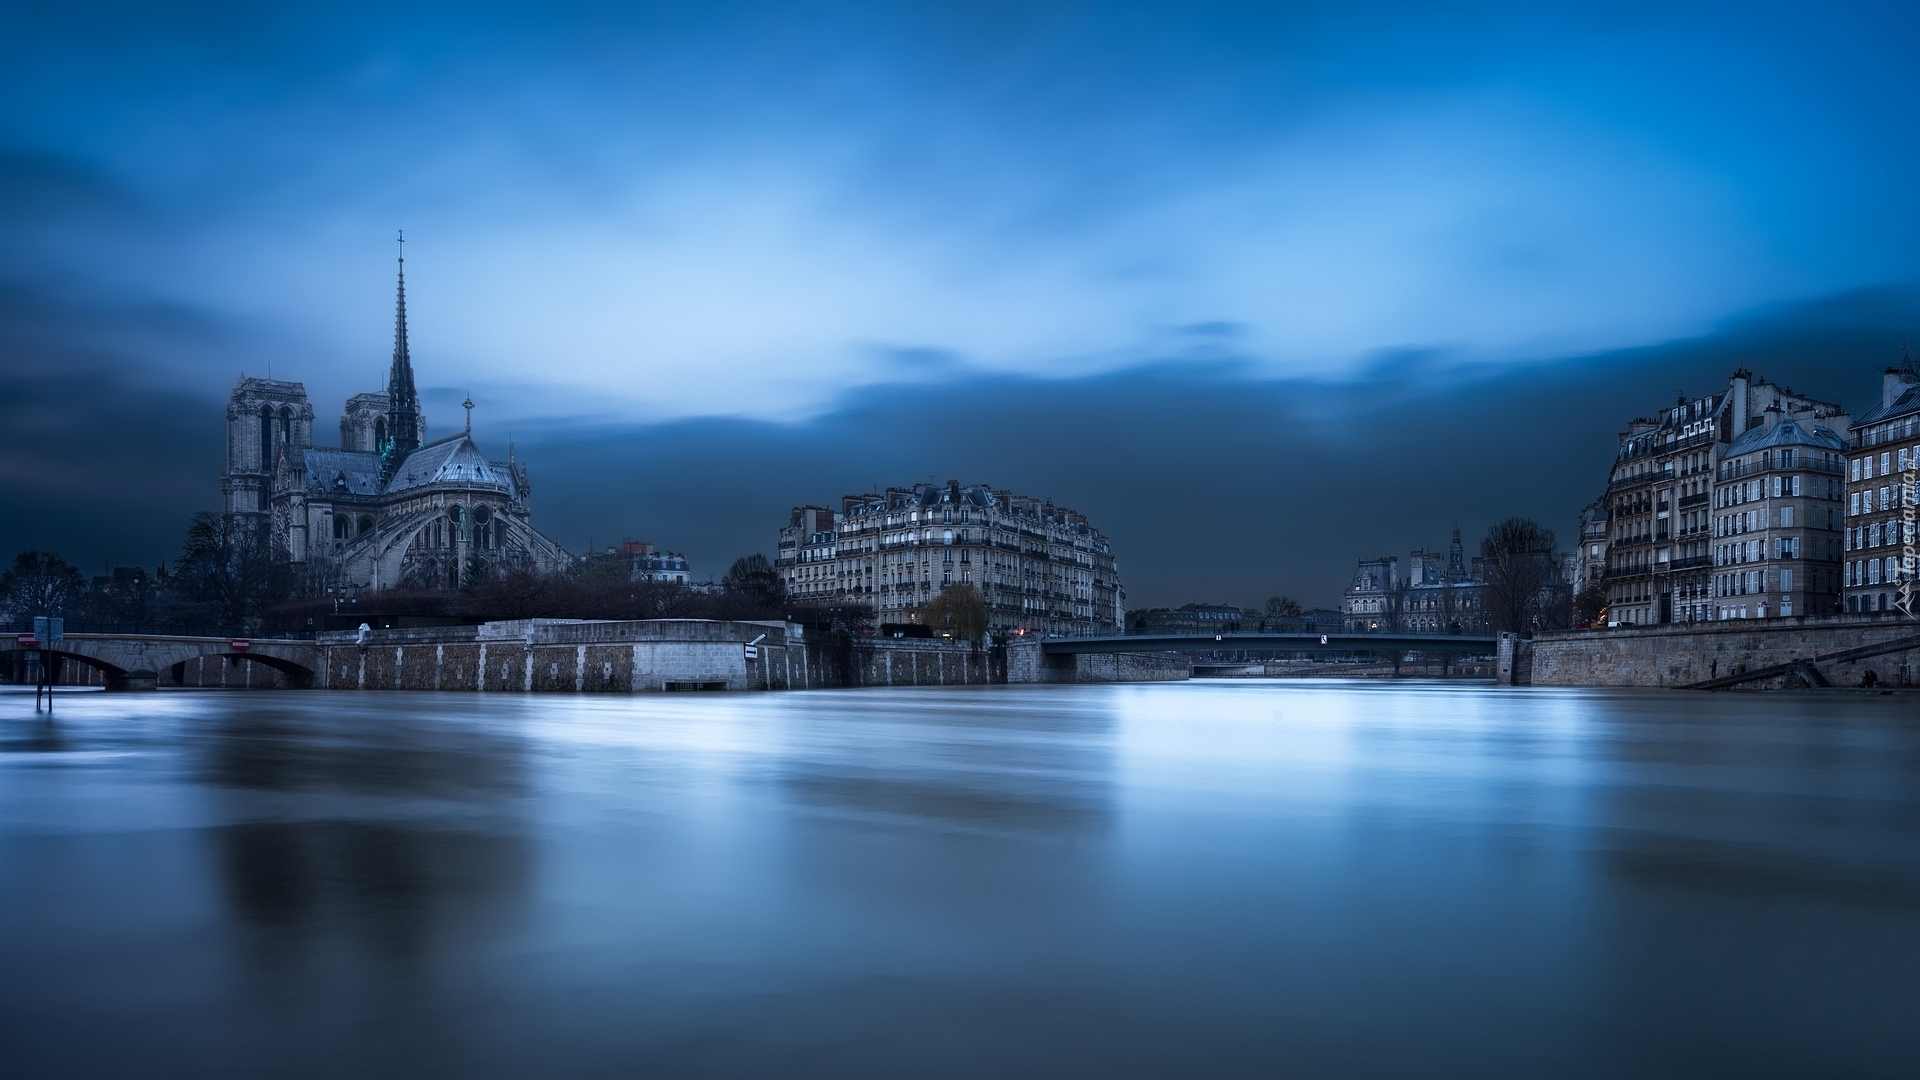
1908	402
355	471
1678	421
453	460
1787	432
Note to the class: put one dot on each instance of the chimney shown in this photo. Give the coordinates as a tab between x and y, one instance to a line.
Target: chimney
1739	407
1772	416
1894	382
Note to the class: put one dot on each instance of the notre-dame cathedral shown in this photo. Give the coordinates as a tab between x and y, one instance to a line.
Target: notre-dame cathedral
387	509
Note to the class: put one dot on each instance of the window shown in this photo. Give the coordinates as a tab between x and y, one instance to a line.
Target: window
1786	517
1853	469
1886	462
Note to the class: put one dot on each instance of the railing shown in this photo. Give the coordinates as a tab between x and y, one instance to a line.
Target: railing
162	630
1864	438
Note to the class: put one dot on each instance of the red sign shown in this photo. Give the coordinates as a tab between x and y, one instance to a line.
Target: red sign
241	644
26	641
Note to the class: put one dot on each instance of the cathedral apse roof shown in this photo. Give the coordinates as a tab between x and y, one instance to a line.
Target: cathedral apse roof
450	461
354	471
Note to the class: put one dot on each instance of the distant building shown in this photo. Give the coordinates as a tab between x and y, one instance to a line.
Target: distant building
1439	595
1195	619
1883	468
644	563
1590	554
1228	619
1372	599
1322	621
1043	569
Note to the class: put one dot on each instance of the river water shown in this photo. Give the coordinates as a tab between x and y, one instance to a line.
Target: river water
1206	879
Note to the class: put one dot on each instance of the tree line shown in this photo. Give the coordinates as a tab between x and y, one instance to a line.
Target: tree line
231	577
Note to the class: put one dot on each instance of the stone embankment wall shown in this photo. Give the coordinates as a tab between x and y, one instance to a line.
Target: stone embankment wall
1027	663
1681	655
566	656
569	656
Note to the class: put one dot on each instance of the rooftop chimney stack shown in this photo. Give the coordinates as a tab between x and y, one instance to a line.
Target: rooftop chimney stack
1739	407
1894	382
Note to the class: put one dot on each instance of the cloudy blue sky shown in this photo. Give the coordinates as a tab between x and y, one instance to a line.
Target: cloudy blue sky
1212	264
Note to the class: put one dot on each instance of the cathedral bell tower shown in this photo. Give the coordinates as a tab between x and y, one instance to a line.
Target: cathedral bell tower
403	404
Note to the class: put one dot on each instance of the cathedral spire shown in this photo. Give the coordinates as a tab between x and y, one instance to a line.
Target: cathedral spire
403	404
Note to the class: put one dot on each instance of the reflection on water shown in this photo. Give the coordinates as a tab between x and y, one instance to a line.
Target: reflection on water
1205	879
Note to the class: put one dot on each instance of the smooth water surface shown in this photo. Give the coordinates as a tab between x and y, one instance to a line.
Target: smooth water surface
1204	879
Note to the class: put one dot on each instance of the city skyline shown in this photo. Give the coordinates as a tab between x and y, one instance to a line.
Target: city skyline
1154	253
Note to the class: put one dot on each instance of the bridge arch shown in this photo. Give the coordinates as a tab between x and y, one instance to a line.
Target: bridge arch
113	676
299	676
142	662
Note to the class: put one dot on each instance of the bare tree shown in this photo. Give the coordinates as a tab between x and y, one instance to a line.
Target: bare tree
751	589
959	612
41	583
1521	575
1283	607
1590	603
230	571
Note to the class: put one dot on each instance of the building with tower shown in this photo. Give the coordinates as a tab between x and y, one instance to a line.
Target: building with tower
386	508
1438	595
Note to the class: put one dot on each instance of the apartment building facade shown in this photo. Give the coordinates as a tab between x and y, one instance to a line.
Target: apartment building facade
1777	521
1882	483
1043	569
1664	554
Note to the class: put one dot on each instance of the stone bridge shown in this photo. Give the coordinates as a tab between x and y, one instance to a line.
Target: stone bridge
143	661
1387	644
1153	657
